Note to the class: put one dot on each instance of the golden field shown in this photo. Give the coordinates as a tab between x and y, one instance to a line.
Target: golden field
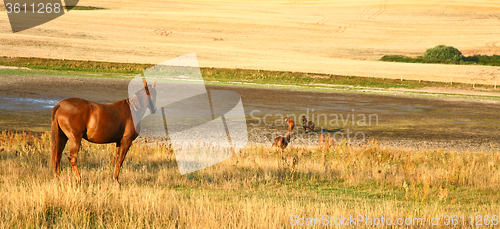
333	37
260	187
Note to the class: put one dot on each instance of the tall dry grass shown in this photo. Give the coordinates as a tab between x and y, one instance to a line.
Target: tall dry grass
260	187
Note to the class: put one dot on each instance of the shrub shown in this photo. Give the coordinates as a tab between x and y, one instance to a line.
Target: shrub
443	54
488	60
397	58
404	59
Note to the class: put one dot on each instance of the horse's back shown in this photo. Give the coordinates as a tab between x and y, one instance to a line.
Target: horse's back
72	115
99	123
72	108
73	104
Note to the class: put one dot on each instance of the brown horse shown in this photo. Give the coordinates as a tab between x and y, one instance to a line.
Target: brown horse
306	124
75	118
291	124
281	142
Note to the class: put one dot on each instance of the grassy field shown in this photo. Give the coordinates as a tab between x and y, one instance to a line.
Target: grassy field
260	187
314	45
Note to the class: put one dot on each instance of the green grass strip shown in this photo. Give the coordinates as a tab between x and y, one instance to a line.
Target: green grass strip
224	75
470	60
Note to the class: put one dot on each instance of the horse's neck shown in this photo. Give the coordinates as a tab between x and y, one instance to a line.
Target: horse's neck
136	106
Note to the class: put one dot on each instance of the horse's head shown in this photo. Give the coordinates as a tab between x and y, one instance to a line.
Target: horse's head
144	98
151	96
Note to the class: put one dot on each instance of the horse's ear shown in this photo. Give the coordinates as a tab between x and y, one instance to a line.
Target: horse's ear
154	84
146	87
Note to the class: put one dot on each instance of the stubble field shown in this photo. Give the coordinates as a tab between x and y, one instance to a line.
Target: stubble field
333	37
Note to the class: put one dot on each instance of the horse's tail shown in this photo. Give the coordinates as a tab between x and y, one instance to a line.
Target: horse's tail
55	138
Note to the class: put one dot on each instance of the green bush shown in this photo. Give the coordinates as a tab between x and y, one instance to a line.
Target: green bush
488	60
443	54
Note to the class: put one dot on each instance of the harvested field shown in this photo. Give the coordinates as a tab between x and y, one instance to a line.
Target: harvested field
335	37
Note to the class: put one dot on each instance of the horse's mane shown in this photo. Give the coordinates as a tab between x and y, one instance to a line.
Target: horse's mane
134	100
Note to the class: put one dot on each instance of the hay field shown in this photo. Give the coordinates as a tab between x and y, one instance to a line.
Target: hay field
334	37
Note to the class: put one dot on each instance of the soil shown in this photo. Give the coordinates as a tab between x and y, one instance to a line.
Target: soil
26	101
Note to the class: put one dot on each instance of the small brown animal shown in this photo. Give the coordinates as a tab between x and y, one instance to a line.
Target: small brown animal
282	142
291	124
306	124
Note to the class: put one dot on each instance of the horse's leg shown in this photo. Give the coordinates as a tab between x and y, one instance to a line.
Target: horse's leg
56	153
74	147
117	153
57	142
124	145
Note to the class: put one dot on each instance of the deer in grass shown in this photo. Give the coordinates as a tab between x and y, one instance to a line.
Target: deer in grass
291	124
306	124
282	142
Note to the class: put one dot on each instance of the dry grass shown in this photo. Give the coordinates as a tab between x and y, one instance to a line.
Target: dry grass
332	37
258	188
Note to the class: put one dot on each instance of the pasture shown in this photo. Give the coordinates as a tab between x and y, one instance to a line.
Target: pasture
437	155
433	150
259	187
